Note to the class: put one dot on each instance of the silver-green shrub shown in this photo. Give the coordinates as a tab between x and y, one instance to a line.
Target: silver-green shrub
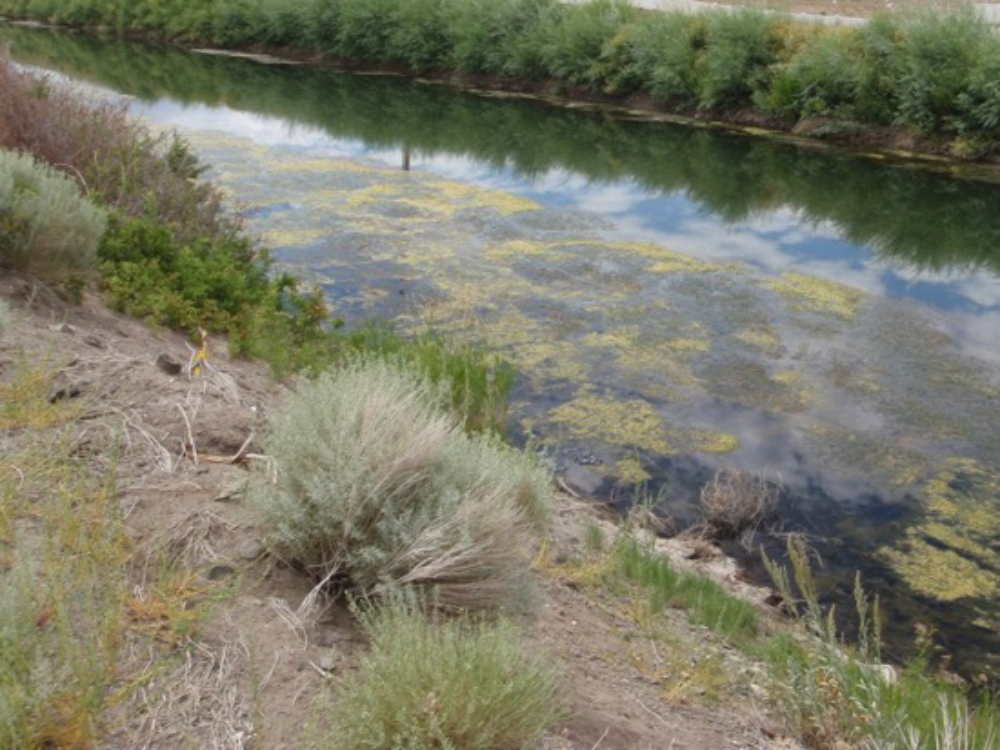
443	685
376	484
46	226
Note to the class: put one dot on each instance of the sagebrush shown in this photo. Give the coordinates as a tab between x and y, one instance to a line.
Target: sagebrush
378	486
47	227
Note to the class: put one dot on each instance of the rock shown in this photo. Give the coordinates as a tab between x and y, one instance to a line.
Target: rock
328	661
218	572
168	364
328	637
70	391
581	479
251	550
62	328
94	342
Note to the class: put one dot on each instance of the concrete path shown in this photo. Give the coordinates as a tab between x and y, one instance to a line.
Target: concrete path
990	11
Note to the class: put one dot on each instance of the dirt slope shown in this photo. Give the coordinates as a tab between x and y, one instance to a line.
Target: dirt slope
248	671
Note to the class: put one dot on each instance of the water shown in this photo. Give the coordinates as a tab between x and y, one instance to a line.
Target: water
676	299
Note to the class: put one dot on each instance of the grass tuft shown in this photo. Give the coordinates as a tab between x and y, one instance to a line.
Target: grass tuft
431	684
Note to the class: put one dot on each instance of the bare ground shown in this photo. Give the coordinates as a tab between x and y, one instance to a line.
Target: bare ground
251	669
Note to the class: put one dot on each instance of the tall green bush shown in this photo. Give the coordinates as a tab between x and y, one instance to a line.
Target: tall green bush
740	46
937	56
47	227
377	487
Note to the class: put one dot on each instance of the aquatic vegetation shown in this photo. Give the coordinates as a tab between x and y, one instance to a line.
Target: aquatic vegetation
634	423
620	422
949	553
871	455
942	574
810	293
688	345
761	337
750	383
630	471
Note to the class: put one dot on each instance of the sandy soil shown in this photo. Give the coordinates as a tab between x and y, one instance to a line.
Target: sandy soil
250	674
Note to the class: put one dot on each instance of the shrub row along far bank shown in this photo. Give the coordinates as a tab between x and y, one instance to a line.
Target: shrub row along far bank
936	74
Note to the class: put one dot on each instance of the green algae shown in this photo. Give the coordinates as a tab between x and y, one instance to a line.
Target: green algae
861	451
635	423
942	574
613	421
949	554
688	345
629	470
813	294
750	383
762	337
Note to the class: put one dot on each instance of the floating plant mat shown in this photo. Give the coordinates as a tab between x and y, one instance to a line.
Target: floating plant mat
647	357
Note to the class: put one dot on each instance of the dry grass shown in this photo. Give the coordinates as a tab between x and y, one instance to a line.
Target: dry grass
110	154
736	503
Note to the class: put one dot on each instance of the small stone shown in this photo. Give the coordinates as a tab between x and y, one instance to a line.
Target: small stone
168	364
70	391
251	550
62	328
328	637
218	572
582	480
94	342
328	661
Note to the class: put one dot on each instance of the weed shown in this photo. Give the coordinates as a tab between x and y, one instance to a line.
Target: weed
61	595
705	600
835	694
429	683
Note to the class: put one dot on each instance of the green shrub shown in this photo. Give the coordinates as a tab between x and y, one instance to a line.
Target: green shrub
572	38
496	36
149	274
373	488
417	35
665	55
822	78
937	54
740	46
46	226
981	101
443	685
